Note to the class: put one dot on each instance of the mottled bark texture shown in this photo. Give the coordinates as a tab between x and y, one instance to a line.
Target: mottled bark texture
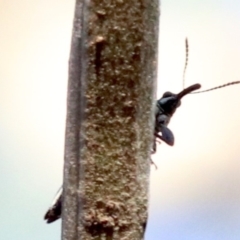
109	128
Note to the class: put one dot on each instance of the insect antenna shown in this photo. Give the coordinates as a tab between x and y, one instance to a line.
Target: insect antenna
186	61
214	88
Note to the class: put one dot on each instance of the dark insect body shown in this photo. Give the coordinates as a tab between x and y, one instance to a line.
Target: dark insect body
55	210
166	107
169	102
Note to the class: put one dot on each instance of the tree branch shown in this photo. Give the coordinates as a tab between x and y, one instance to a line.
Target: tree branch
109	128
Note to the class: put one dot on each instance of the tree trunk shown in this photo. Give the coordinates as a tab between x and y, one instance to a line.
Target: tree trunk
110	117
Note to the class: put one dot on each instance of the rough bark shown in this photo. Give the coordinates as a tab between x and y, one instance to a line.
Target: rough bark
109	127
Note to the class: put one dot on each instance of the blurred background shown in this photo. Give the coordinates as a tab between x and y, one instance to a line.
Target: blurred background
195	192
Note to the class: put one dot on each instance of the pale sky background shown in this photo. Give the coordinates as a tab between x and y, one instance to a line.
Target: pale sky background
195	193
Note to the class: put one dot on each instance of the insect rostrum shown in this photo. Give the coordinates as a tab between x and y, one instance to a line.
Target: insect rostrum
165	108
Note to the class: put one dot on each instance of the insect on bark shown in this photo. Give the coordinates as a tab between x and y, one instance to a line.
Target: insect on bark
169	102
165	108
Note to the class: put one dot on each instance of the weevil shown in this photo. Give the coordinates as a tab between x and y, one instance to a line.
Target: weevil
169	102
165	108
